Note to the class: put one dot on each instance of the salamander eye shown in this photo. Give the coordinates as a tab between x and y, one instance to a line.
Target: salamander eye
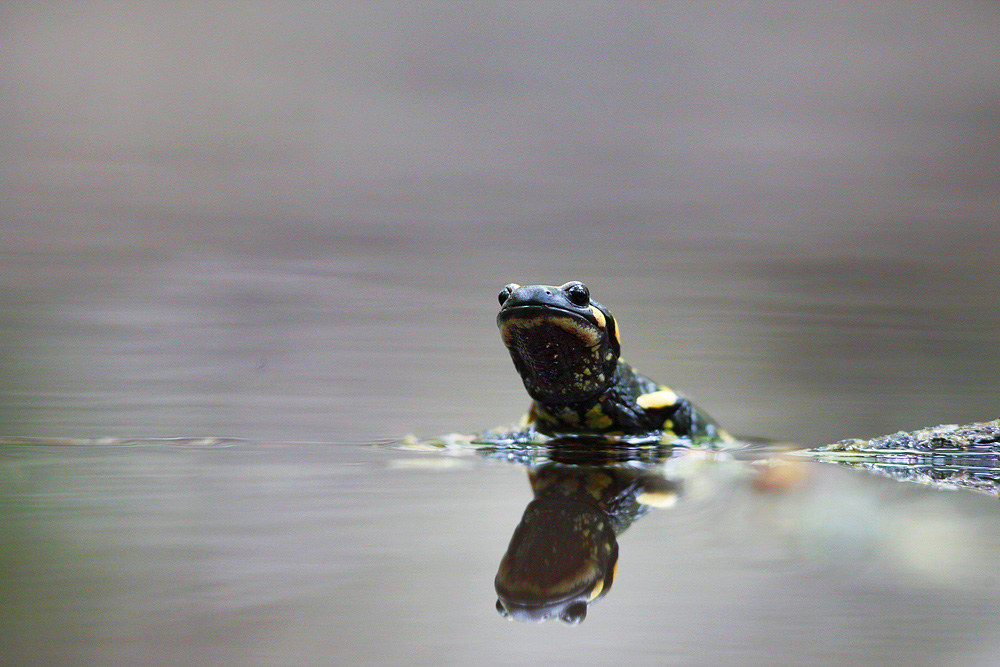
575	613
507	291
577	293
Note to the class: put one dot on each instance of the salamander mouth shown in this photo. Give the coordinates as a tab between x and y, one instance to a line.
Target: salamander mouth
539	327
559	354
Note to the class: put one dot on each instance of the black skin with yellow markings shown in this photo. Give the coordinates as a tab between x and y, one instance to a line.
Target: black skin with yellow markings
566	348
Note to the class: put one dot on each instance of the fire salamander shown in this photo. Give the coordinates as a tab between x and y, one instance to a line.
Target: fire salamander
566	348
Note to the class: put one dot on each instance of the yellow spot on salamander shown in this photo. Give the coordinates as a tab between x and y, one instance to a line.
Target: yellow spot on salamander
658	498
599	316
596	483
569	485
668	436
598	587
657	399
596	418
569	416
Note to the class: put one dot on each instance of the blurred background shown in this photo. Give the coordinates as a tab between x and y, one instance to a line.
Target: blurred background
289	221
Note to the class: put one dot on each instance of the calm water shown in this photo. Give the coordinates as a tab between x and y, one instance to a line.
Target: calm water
289	228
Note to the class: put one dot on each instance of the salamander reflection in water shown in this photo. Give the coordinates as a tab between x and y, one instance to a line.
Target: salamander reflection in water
563	555
566	348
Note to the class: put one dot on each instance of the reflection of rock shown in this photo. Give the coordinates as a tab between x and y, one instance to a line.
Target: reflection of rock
564	554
